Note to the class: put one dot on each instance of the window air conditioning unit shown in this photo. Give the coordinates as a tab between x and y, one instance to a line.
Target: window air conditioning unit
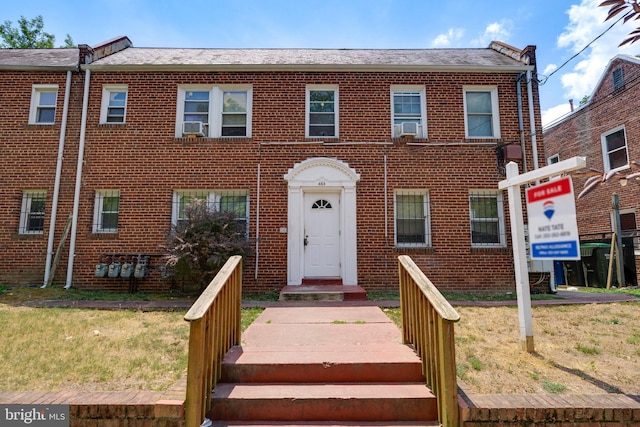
193	128
408	129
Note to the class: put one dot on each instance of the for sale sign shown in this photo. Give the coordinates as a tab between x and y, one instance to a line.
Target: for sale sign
553	231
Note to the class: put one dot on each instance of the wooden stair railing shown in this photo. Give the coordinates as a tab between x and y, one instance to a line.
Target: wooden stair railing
427	324
215	327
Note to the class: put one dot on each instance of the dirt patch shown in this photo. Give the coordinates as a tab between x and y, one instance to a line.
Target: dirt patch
579	349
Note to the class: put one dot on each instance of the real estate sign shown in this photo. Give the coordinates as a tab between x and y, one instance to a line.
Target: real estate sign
553	230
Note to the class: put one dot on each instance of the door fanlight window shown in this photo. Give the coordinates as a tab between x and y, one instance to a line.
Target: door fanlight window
321	204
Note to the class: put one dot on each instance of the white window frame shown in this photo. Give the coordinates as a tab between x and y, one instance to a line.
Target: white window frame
553	159
427	217
336	110
98	226
495	110
605	153
25	212
107	90
420	90
36	92
498	196
213	199
216	99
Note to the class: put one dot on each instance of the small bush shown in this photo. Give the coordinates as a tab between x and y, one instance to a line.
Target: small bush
198	246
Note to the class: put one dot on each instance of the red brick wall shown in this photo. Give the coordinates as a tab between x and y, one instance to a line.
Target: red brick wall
580	135
144	161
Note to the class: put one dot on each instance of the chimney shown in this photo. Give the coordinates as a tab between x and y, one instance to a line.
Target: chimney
571	104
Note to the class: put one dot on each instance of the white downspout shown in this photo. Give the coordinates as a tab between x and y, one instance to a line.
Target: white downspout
56	185
532	120
76	197
257	222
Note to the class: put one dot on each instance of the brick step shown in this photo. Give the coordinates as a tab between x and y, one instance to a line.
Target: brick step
322	292
338	402
307	364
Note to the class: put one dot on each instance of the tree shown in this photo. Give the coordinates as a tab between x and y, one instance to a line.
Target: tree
198	246
28	35
584	100
618	6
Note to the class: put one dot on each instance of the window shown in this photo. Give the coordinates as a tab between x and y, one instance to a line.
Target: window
32	212
481	119
618	78
114	104
487	219
553	159
107	209
234	114
412	218
614	149
322	111
214	111
236	201
408	106
43	104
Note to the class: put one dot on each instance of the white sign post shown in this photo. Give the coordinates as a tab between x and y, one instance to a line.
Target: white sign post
513	183
553	229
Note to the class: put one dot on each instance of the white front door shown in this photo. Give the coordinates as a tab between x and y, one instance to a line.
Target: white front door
322	235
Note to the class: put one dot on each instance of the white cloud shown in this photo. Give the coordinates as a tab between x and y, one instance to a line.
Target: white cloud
549	69
499	31
446	39
586	22
552	114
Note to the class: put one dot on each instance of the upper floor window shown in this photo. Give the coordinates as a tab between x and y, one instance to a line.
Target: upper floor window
408	112
214	111
412	218
322	111
43	104
618	78
486	214
614	149
236	201
32	212
106	211
114	104
481	118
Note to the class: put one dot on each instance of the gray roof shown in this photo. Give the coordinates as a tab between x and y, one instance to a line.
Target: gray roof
133	58
39	59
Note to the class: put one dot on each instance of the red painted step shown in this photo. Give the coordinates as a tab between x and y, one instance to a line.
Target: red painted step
323	402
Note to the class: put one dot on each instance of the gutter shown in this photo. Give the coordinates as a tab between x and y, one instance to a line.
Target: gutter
76	197
56	186
532	121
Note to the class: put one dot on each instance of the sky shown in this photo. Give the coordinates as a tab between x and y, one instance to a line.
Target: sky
559	29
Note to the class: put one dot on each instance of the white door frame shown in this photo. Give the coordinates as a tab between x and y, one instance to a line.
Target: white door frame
321	174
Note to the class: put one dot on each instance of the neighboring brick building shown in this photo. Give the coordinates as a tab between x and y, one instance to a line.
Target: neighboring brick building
337	160
604	130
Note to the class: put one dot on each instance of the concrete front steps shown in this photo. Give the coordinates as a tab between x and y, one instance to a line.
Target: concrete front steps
322	366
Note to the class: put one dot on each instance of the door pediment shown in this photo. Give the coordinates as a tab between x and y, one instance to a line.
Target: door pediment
331	172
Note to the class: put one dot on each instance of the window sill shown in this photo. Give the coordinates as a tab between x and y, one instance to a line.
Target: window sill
112	125
185	140
29	235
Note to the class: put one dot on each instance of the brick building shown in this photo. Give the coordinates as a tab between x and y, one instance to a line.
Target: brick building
337	160
603	130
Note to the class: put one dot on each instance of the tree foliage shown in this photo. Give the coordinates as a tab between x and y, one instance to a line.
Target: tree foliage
29	34
633	13
198	246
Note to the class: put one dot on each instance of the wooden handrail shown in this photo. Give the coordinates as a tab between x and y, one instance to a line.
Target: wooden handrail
214	328
427	324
